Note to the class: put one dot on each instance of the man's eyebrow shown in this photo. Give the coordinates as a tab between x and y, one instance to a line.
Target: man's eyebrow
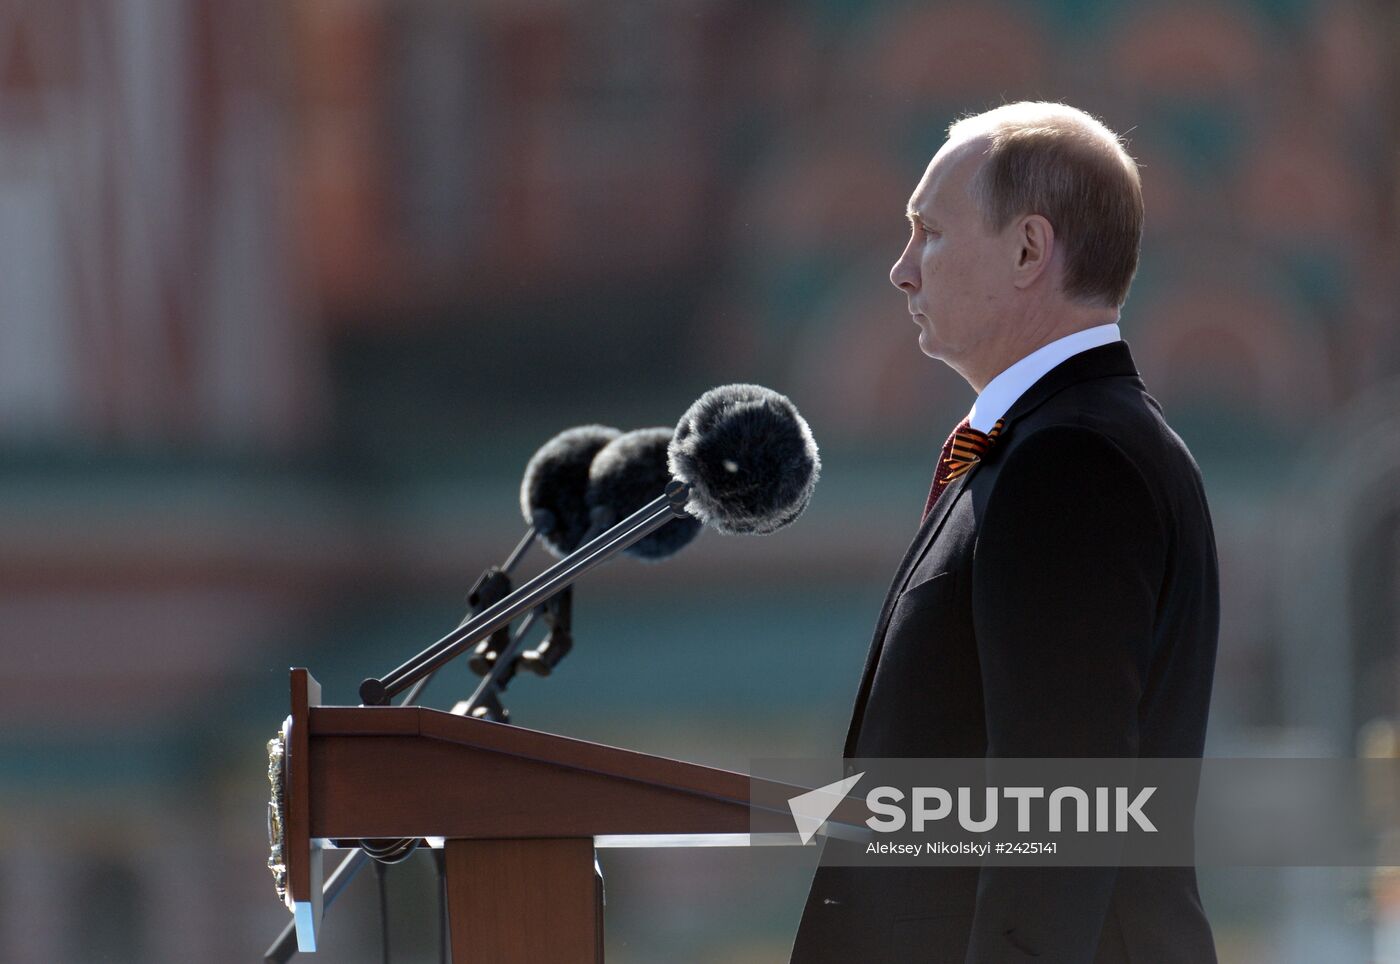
911	215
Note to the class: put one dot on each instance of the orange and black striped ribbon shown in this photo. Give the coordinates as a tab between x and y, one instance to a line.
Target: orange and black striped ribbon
969	445
965	446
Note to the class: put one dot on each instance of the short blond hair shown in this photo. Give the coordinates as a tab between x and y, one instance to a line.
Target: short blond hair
1066	165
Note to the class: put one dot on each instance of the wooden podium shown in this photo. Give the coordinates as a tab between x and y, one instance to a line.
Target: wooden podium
519	811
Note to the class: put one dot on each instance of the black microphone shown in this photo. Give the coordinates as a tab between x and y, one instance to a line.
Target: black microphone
748	457
554	491
626	474
553	500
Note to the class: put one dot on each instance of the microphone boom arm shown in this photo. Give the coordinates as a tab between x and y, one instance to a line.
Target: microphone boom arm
643	522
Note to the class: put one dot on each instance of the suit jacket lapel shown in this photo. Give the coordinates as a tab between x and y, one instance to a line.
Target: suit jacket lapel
922	540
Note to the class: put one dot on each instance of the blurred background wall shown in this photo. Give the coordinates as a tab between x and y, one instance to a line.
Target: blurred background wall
290	292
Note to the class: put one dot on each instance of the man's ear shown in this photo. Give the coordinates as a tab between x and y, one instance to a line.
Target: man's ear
1035	246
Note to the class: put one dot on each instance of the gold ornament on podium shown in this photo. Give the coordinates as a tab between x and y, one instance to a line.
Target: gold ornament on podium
276	828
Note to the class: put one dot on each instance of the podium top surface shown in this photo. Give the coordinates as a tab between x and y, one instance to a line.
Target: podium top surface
526	744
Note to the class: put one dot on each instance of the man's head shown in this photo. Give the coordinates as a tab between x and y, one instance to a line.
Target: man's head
1025	227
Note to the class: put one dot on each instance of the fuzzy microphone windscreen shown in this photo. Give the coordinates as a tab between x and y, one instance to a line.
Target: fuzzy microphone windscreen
749	457
626	474
554	491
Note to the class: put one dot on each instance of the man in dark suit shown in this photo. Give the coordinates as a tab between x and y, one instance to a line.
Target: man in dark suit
1060	598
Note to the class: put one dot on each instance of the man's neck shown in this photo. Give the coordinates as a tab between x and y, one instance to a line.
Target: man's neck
1033	337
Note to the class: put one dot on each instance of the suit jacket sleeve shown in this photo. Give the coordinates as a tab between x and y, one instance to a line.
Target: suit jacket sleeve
1069	559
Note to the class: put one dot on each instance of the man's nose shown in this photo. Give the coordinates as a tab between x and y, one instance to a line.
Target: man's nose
902	275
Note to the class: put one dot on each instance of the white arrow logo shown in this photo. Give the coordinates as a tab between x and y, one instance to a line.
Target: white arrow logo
810	809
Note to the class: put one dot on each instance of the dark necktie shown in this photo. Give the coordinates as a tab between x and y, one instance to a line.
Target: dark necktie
962	450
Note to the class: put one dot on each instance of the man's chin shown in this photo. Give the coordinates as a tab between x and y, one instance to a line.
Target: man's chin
930	345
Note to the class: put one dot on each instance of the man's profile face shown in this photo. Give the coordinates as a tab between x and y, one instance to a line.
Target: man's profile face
954	271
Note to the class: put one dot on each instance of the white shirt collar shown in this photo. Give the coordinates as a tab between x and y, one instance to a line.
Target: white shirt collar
1001	392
